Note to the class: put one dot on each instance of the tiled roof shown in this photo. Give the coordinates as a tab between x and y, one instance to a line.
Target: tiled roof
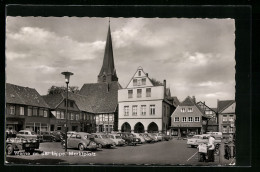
188	102
102	96
53	100
176	101
223	104
23	95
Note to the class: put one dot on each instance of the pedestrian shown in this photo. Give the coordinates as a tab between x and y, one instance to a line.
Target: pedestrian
211	148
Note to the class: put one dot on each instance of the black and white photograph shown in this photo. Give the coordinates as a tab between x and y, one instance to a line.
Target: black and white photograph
106	90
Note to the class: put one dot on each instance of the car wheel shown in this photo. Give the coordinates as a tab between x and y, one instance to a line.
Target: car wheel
81	147
9	150
193	146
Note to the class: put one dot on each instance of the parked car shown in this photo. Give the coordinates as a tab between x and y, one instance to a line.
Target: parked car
46	136
27	134
69	133
217	135
10	133
137	135
152	137
117	139
19	143
158	136
166	137
199	139
80	140
129	139
146	137
103	141
135	138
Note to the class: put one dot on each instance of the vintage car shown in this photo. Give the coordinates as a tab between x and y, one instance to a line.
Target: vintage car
154	139
137	135
46	136
80	140
19	143
129	139
27	134
159	136
165	137
146	137
69	133
103	141
57	136
117	139
200	139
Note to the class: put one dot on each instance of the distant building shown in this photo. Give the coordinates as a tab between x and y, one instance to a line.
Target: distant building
227	117
25	109
144	105
79	116
104	94
188	118
211	113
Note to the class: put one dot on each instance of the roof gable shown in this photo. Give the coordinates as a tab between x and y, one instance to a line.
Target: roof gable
223	104
140	74
230	109
24	95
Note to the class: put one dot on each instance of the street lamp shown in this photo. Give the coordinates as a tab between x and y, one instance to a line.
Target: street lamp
67	80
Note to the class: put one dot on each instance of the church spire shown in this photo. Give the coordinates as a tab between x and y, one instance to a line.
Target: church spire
108	71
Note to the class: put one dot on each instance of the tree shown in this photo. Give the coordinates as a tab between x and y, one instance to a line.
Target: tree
156	82
58	90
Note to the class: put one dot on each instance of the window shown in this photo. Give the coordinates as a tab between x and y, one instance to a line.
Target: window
231	130
21	110
29	111
77	116
40	112
135	82
12	110
148	92
97	119
231	118
143	109
71	103
35	111
184	119
45	113
143	81
62	116
197	119
71	116
190	110
58	114
105	117
190	119
139	82
134	110
139	93
130	93
176	119
182	109
126	110
224	117
152	109
224	129
139	73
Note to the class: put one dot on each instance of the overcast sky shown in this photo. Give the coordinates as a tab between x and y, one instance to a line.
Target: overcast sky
195	56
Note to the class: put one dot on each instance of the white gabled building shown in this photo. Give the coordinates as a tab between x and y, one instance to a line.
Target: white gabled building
144	105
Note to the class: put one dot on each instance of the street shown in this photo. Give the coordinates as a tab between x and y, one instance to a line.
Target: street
173	152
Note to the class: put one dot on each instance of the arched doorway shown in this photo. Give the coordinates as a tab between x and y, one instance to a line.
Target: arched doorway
126	127
152	128
139	128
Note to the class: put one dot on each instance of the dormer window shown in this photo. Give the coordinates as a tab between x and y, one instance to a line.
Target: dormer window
134	82
139	73
182	109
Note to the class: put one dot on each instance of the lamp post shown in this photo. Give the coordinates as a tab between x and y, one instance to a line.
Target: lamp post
67	80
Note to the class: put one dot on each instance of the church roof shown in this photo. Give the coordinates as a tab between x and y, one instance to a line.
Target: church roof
24	95
108	66
102	96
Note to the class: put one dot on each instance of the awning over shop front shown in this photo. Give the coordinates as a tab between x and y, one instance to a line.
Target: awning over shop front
11	122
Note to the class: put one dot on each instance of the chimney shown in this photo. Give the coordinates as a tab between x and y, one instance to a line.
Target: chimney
164	83
194	99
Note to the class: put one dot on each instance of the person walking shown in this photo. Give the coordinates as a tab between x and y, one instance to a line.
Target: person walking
211	148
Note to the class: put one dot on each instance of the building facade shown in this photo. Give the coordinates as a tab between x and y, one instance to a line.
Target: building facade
212	123
104	94
26	109
188	118
227	117
143	106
